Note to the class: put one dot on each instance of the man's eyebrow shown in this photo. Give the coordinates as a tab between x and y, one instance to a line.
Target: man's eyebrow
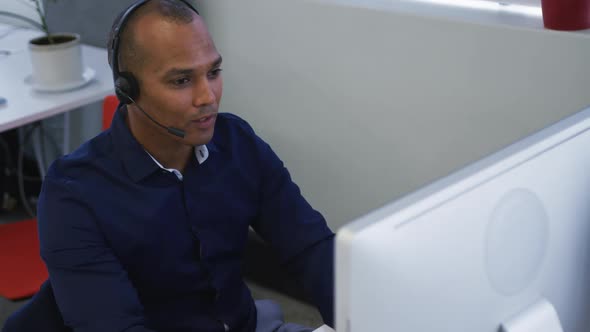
178	71
217	62
189	71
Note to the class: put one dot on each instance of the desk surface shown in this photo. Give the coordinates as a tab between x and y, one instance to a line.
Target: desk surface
25	105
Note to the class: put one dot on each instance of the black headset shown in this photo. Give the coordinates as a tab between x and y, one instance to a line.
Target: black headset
126	85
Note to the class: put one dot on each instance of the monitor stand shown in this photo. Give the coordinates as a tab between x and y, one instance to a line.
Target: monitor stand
539	317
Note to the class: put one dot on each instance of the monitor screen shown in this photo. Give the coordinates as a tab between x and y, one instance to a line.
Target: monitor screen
501	245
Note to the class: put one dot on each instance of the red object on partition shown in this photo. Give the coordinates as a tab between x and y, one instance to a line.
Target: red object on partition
566	14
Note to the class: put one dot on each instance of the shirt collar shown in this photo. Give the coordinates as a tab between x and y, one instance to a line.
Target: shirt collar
201	153
136	161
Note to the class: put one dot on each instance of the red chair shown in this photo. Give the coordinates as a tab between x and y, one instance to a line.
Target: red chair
23	271
109	106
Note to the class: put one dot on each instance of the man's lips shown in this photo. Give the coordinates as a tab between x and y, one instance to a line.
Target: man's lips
204	118
205	122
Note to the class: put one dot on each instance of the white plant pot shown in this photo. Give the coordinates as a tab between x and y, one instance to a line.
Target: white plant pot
56	64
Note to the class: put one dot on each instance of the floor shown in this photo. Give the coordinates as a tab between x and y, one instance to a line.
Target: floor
294	310
7	307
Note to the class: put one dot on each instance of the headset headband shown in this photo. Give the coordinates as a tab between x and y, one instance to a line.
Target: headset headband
121	24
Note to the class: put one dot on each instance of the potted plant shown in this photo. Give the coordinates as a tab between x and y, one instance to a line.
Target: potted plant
56	58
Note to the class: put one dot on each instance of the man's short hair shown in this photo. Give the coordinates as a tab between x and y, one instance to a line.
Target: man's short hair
130	54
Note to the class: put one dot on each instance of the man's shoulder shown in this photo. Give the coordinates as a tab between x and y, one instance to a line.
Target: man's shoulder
85	160
232	130
230	121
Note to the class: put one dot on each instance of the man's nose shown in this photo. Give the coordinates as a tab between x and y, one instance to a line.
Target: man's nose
203	93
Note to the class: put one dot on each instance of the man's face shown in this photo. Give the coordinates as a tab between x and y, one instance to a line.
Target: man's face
180	79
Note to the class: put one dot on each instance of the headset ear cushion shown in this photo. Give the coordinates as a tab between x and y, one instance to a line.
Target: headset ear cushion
126	87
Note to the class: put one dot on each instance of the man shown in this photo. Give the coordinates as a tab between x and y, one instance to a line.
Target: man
143	227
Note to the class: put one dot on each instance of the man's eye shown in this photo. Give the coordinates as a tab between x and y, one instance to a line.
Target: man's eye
215	73
181	81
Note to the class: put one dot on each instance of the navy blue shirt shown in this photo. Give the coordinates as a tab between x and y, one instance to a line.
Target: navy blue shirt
131	247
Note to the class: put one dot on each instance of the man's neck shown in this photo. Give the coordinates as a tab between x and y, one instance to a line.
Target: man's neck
162	146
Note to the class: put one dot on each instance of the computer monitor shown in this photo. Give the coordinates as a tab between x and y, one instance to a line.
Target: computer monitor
501	245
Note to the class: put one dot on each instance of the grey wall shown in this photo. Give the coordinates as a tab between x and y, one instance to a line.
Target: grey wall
91	19
367	104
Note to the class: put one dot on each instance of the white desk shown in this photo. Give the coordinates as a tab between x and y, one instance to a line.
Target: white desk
24	105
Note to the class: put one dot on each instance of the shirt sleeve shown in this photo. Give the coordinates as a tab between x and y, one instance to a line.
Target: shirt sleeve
92	289
299	234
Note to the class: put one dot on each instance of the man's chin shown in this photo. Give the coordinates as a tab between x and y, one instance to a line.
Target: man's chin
197	140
